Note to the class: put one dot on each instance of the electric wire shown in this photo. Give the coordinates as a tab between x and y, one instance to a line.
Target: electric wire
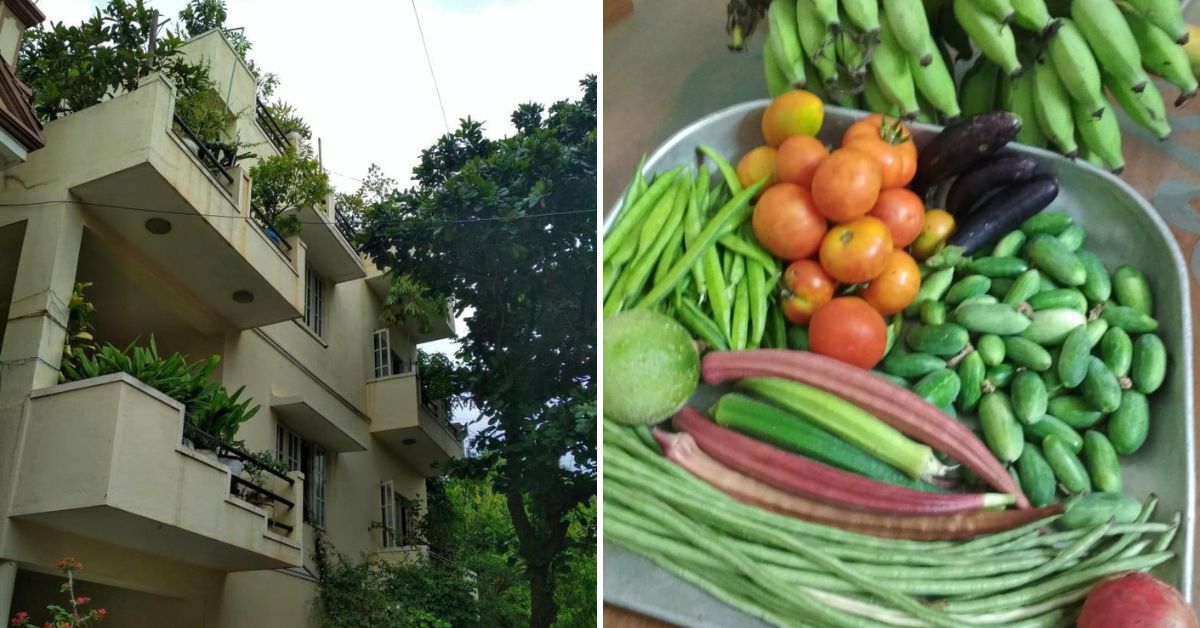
429	61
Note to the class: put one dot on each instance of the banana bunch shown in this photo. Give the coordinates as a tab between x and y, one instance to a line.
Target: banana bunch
1048	61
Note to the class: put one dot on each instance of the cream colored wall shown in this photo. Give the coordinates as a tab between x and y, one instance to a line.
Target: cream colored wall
291	601
11	30
126	608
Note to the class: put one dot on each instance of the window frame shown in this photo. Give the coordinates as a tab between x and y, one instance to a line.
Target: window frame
381	351
387	507
314	318
310	458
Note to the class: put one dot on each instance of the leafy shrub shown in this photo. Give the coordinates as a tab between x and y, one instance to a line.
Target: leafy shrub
282	183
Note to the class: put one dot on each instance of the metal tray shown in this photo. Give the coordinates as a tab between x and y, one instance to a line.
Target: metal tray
1122	227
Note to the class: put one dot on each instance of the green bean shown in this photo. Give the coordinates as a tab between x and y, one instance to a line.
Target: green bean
731	179
615	301
640	272
693	220
663	215
714	284
639	185
751	250
1125	540
737	269
672	252
1002	537
700	325
611	273
739	334
630	220
1059	583
756	285
1164	541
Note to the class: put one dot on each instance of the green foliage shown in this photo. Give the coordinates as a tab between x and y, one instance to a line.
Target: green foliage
79	328
283	183
377	593
410	303
507	229
70	68
442	379
289	119
209	406
201	16
204	112
267	459
376	188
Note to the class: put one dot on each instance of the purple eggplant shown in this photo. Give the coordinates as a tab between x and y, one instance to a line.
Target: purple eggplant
969	188
963	145
1004	211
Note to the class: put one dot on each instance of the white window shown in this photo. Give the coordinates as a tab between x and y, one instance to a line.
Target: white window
393	514
381	349
314	302
309	458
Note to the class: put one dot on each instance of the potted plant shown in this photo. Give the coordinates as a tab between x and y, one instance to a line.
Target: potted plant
257	475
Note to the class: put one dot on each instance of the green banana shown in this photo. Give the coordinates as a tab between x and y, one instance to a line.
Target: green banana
1108	35
952	33
852	55
1087	155
783	38
994	38
865	15
1100	136
935	83
1002	10
1162	56
889	65
1033	15
1021	102
1077	66
1165	14
816	41
978	90
874	98
1052	105
777	82
910	28
827	12
1145	108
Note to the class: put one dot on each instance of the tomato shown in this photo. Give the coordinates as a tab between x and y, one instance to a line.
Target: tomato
850	330
798	158
896	287
903	212
756	164
856	252
846	184
938	226
787	223
890	143
797	112
806	287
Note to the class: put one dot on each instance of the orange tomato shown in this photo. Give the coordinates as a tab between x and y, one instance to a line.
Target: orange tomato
896	287
798	158
903	212
756	164
856	252
938	226
850	330
787	223
890	143
846	184
796	112
806	288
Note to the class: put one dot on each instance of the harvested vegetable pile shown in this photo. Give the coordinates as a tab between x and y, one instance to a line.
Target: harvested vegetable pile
850	337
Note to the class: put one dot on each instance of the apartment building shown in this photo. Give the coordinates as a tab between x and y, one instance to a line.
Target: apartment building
121	196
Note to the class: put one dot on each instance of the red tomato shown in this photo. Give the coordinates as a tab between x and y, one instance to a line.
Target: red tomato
806	288
896	287
850	330
856	252
798	158
786	222
846	184
890	143
903	212
756	164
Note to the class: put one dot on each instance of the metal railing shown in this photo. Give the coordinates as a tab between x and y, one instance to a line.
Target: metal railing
215	156
228	451
271	126
344	225
438	411
280	242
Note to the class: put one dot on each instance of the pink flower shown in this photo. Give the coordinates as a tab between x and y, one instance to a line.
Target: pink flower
101	613
20	619
83	599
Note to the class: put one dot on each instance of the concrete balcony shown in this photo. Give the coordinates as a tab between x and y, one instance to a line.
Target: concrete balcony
378	282
103	458
404	554
150	193
328	251
418	432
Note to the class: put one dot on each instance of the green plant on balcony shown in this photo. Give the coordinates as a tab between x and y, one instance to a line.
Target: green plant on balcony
70	68
282	184
411	303
208	405
79	328
266	460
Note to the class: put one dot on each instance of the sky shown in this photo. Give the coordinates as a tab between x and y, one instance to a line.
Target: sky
357	73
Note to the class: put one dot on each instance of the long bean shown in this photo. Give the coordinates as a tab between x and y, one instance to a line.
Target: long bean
756	288
1164	541
672	203
693	222
670	254
631	219
640	272
737	207
731	179
750	250
776	327
1125	540
699	324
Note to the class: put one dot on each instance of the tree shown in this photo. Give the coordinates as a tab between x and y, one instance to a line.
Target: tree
507	229
286	182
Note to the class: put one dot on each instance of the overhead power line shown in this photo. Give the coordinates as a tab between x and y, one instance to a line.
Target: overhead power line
429	61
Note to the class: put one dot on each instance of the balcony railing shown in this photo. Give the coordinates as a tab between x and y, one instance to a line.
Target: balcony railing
271	126
215	157
437	408
261	220
237	483
344	225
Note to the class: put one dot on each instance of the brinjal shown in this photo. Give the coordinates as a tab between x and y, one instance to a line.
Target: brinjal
1004	211
970	187
963	145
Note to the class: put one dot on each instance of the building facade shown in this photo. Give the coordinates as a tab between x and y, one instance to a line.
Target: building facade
122	196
